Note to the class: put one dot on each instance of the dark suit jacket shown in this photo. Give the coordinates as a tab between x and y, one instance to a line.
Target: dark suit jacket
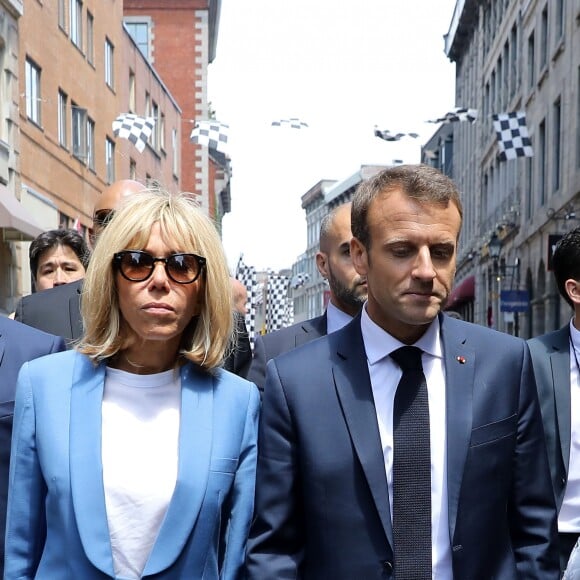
551	360
322	502
18	344
58	311
275	343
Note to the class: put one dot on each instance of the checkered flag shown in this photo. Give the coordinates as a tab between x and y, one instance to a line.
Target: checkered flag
212	134
386	135
457	115
293	123
299	280
247	276
512	135
279	311
134	128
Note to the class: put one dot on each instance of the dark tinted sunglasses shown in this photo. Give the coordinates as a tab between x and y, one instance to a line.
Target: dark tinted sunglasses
102	217
137	266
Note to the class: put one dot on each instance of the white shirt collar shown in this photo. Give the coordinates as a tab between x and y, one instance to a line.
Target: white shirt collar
335	318
379	343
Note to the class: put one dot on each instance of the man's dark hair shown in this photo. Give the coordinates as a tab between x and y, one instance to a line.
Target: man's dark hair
566	261
52	238
420	182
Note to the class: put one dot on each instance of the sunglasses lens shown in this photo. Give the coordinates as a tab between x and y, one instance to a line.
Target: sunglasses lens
136	265
183	267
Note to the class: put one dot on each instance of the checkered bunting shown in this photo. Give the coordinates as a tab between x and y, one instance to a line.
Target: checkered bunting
211	134
512	135
279	310
134	128
457	115
293	123
247	276
299	280
386	135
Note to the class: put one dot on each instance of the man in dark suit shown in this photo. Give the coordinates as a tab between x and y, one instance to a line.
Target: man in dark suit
348	292
18	344
555	359
334	464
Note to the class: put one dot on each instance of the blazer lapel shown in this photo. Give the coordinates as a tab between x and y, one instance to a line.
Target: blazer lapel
459	377
353	386
86	471
195	442
560	365
310	330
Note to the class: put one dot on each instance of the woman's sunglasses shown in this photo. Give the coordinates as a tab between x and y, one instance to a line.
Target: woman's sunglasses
137	266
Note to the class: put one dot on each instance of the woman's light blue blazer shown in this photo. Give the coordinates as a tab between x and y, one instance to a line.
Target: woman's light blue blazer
57	523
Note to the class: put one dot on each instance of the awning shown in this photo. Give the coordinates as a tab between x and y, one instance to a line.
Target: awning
463	292
15	223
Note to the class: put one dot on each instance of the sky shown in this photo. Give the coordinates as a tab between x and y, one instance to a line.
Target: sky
340	66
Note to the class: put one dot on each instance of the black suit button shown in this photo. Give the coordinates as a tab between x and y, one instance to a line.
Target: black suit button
388	565
563	481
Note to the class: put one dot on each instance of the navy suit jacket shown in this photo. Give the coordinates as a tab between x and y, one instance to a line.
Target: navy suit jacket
322	501
18	344
551	360
275	343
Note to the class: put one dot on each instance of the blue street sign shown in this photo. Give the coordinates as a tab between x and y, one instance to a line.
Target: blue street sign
514	301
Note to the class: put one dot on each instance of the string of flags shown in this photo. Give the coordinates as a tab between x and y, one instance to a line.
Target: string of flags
292	123
212	134
386	135
134	128
458	114
299	280
512	135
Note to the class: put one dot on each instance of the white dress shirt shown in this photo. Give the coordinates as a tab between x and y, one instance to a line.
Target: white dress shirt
335	318
385	374
569	516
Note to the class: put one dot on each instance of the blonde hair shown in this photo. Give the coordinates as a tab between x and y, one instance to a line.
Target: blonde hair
206	340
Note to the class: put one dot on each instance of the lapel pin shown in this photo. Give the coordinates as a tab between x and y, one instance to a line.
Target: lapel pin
460	360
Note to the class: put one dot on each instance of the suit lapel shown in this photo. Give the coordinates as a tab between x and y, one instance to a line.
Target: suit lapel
86	472
311	329
459	377
560	366
195	443
353	386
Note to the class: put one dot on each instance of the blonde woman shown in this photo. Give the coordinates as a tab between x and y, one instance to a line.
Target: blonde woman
134	455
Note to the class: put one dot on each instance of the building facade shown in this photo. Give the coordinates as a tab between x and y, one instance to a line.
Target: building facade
516	55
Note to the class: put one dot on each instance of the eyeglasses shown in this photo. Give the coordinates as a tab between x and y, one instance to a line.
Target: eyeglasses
137	266
102	217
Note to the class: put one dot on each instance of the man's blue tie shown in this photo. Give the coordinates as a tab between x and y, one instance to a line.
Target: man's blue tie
411	470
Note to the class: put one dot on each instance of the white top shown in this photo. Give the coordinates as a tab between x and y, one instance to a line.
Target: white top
385	374
335	318
569	516
140	425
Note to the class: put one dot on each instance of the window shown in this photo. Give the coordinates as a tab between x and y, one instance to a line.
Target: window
578	120
515	81
132	100
61	15
110	160
109	61
78	131
90	38
557	143
139	31
132	169
76	22
542	161
162	132
154	140
531	60
544	38
559	20
174	151
62	105
529	186
90	143
32	73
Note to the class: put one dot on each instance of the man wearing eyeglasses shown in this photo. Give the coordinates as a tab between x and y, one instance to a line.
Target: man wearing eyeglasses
57	311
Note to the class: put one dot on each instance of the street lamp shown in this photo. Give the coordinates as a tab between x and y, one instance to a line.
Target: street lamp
494	247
